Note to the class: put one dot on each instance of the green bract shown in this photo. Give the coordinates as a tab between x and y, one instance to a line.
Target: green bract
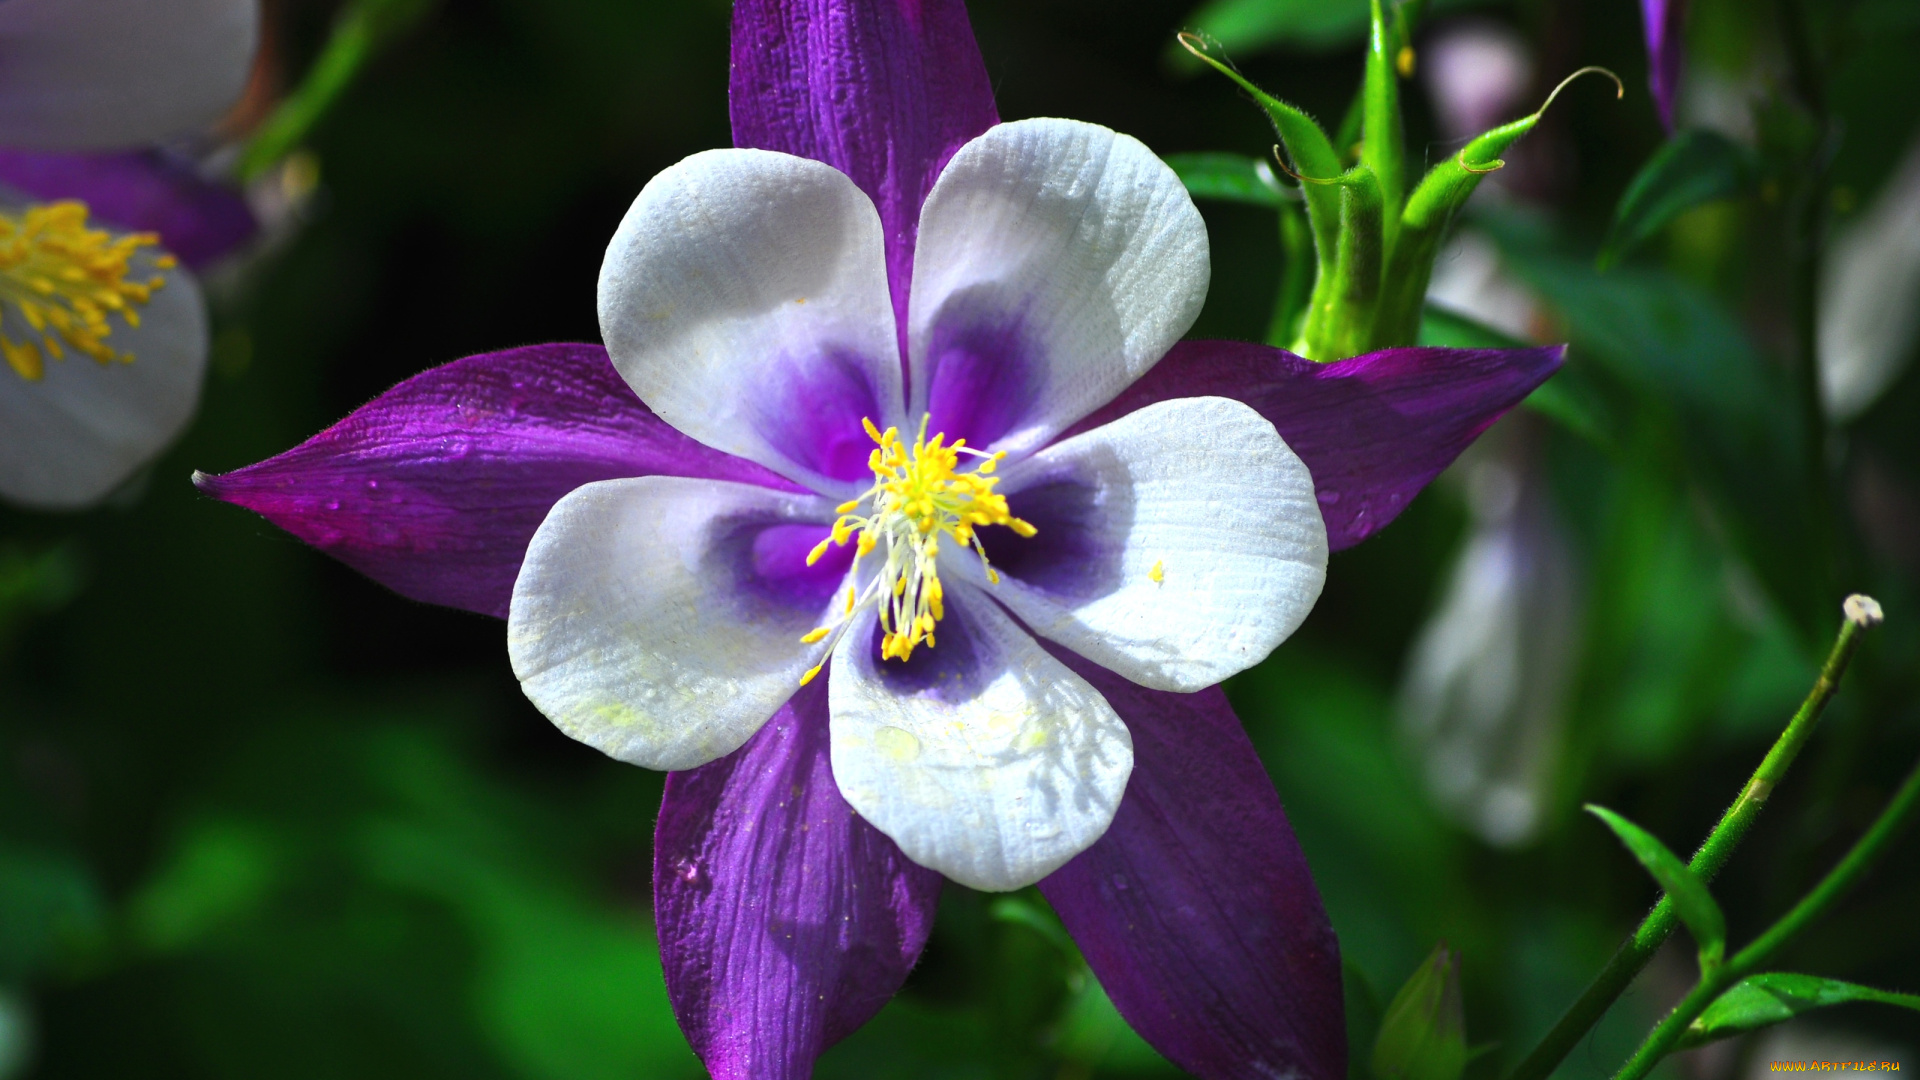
1374	240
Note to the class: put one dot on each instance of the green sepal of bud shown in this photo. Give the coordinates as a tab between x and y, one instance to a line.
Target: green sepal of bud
1313	160
1382	140
1430	209
1342	323
1423	1035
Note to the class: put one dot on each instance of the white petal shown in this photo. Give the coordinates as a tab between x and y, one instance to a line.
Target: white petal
1868	282
105	74
70	438
984	758
1205	490
1057	261
744	297
635	626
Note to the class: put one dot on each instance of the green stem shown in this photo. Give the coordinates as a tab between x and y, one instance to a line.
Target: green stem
1824	896
1637	950
358	33
1296	276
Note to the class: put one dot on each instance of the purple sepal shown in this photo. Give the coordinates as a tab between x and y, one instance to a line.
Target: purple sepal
199	220
786	921
883	90
1374	430
1665	20
1196	910
435	487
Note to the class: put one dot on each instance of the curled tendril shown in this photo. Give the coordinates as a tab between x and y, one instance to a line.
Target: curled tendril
1197	44
1619	91
1619	88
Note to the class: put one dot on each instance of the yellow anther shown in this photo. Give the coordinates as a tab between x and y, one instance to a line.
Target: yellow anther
811	672
920	492
819	550
1158	572
63	279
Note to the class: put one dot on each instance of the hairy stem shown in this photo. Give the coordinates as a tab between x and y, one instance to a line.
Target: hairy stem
1637	950
1661	1041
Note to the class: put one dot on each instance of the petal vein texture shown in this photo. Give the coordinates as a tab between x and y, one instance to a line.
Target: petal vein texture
785	920
1196	909
883	90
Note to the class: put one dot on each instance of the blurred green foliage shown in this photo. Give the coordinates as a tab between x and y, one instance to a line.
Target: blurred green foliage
259	817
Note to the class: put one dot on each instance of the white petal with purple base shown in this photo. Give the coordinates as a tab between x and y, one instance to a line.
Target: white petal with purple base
744	298
1202	494
113	74
984	758
1057	261
72	436
635	626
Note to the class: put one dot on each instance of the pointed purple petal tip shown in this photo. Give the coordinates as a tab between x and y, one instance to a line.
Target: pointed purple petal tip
435	487
1374	430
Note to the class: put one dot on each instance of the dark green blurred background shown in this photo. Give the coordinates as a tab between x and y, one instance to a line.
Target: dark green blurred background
261	818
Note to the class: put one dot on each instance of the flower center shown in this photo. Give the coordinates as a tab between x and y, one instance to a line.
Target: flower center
919	495
59	280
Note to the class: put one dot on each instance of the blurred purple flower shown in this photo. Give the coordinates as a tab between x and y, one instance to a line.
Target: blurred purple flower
87	85
199	220
644	520
1664	20
102	334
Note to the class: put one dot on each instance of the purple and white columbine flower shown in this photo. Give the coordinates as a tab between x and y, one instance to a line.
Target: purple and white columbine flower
645	523
745	299
103	336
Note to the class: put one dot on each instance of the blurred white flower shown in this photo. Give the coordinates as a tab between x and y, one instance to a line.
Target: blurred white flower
103	336
1468	279
1482	700
1476	72
1870	296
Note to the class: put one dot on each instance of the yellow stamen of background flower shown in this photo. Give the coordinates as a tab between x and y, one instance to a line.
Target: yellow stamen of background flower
59	280
920	493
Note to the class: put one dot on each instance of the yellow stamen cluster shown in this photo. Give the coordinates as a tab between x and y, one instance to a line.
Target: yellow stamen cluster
918	496
59	280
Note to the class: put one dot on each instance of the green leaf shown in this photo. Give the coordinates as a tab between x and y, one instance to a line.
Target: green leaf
1258	24
1228	178
1761	1000
1693	168
1691	900
51	913
1031	912
1423	1033
1252	25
